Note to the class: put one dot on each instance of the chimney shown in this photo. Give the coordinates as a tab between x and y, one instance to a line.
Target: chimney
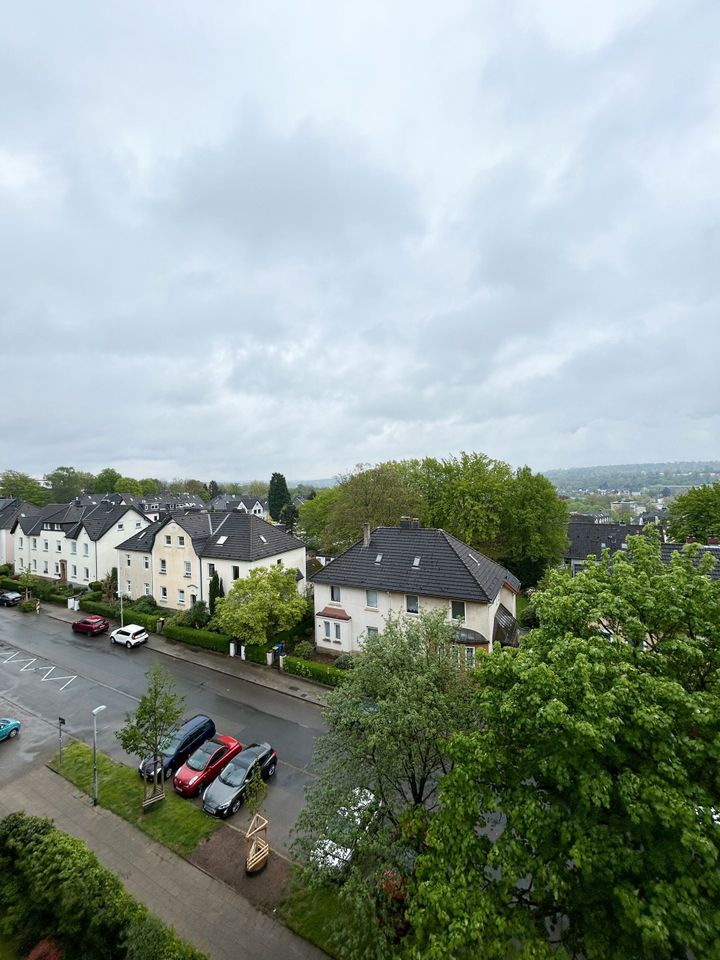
366	534
690	539
404	523
713	541
414	524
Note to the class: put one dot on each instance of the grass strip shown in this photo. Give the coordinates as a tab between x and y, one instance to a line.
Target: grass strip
315	915
174	822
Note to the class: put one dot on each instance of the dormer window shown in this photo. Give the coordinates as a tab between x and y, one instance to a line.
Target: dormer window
416	562
378	558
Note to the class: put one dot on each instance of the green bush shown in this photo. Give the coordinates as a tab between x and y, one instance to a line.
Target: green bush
95	586
319	672
346	661
303	650
197	638
5	569
97	606
257	653
146	605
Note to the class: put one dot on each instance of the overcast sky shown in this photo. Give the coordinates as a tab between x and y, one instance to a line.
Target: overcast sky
239	237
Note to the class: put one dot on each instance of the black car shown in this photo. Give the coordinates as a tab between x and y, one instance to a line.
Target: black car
226	794
175	750
9	598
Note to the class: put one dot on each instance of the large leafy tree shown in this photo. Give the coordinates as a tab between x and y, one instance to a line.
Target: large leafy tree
22	485
278	495
695	514
315	520
580	819
263	603
106	481
379	495
66	483
388	726
130	486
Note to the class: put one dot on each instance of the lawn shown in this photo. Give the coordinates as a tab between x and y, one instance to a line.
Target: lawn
314	915
175	822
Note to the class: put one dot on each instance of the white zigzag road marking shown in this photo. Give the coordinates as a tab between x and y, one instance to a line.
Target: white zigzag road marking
48	677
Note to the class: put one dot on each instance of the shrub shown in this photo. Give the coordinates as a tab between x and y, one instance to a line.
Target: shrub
95	586
529	618
304	650
257	653
147	620
5	569
145	605
97	606
197	617
319	672
197	638
27	606
346	661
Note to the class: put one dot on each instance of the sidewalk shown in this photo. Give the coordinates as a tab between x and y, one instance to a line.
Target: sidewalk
203	911
268	677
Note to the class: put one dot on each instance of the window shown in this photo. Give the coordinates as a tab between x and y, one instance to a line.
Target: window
181	598
181	541
163	593
121	526
458	609
372	631
128	588
127	559
20	541
236	573
211	569
326	625
45	545
335	594
371	598
188	568
221	541
163	566
86	550
57	569
168	540
412	604
338	632
58	546
137	524
146	562
34	543
378	558
470	657
74	570
73	546
45	566
87	574
146	589
416	562
34	564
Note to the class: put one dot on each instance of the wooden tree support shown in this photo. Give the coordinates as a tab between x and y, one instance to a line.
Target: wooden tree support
259	848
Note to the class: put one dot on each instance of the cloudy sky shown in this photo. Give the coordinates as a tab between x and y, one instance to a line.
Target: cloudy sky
239	237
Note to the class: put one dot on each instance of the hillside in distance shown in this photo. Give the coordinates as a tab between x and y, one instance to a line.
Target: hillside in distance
636	476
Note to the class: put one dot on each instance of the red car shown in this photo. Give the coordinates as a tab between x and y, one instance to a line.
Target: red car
92	625
205	764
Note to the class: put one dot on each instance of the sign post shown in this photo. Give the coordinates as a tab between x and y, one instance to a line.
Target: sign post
61	724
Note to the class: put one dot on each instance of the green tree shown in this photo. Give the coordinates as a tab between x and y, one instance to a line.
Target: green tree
278	495
214	489
583	807
388	727
106	481
150	485
130	486
14	484
695	514
156	717
109	587
289	516
256	488
213	593
261	604
66	483
314	523
255	793
379	495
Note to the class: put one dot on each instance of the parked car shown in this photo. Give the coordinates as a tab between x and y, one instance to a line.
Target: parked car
9	598
334	852
225	795
91	625
205	764
9	728
175	750
131	635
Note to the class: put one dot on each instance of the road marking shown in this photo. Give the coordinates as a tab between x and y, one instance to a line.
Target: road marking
48	677
28	660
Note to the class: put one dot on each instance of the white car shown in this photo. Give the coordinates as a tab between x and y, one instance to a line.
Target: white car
345	827
131	635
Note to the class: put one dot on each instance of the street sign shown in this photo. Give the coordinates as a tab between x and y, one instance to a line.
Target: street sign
61	721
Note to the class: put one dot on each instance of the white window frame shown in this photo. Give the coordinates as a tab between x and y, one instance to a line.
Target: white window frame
74	570
326	628
453	603
338	633
187	569
146	561
335	593
163	566
412	596
146	589
163	593
181	541
372	606
181	597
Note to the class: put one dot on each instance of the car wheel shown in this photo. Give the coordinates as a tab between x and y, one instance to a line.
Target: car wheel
128	645
112	639
235	805
271	769
13	733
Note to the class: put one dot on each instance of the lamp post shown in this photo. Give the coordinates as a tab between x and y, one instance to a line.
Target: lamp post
95	712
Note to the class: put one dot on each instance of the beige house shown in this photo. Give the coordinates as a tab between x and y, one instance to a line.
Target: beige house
403	571
174	559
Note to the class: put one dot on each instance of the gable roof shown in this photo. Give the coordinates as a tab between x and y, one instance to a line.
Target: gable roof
668	549
12	510
98	520
446	566
587	537
247	537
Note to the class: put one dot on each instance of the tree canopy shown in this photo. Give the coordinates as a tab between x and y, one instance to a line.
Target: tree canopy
695	514
66	483
263	603
580	819
278	495
15	484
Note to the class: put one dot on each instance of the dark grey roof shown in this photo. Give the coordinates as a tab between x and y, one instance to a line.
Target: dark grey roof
63	514
143	540
668	549
97	520
248	538
447	567
587	538
11	510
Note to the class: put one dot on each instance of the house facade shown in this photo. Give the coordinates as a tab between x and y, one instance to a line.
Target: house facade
407	570
11	509
241	503
175	558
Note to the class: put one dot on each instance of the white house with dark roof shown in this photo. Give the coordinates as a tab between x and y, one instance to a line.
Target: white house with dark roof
242	503
175	558
406	570
73	542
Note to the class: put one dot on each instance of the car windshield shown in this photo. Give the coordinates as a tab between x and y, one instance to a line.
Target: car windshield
235	773
170	746
200	759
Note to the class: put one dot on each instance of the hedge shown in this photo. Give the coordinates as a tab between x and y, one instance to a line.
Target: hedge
41	589
197	638
257	653
319	672
97	606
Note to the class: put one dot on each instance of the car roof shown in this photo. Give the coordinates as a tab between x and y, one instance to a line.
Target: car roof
132	626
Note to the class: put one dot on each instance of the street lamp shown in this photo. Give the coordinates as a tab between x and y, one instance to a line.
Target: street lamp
95	712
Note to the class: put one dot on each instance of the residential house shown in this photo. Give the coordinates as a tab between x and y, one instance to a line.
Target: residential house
11	509
587	538
72	542
408	569
243	504
175	558
157	505
668	549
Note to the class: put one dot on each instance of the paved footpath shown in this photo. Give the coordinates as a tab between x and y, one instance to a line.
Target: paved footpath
203	911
